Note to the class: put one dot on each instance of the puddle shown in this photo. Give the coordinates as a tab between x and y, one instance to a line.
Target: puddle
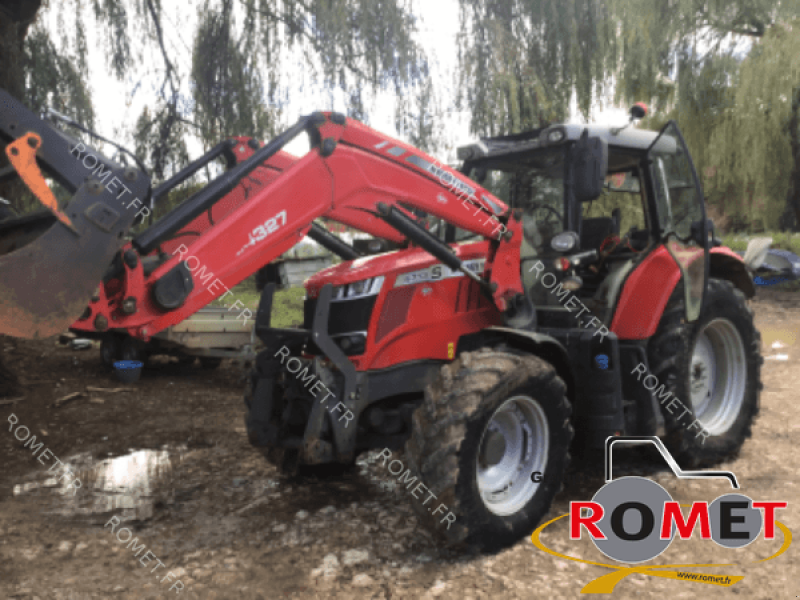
786	336
130	485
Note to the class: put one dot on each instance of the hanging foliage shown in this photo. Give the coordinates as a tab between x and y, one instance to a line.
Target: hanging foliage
236	81
524	60
750	153
521	61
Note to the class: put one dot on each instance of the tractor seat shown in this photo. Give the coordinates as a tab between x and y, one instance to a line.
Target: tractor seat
594	231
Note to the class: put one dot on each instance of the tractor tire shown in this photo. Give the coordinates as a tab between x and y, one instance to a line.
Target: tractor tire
713	368
209	363
520	401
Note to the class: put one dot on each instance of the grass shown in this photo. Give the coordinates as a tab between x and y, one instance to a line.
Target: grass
782	240
287	305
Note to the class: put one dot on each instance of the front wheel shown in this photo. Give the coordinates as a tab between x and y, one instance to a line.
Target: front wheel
712	367
490	443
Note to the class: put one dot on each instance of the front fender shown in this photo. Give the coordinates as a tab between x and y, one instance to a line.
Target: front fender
539	344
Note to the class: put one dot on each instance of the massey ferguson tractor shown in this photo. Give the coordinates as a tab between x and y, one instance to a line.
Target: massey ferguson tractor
566	286
562	287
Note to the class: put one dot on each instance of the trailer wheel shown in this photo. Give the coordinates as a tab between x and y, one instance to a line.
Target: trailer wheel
132	349
713	368
110	350
491	422
210	363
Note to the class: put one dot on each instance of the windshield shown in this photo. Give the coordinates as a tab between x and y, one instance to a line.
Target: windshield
533	183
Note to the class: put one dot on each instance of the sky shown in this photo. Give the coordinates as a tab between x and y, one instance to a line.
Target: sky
118	104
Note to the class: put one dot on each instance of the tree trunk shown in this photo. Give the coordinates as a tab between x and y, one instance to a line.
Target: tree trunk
790	219
15	18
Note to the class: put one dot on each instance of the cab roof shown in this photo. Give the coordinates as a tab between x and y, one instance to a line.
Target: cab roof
628	138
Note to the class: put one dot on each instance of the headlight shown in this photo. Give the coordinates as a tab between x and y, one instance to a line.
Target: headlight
358	289
564	241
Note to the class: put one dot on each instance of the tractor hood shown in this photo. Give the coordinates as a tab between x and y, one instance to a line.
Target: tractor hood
389	264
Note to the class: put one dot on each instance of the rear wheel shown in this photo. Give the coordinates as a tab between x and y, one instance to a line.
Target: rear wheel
487	427
713	368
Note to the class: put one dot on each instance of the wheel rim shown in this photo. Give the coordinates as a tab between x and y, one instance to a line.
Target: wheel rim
718	376
513	445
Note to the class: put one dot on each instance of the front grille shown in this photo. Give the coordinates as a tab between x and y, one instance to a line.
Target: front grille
345	316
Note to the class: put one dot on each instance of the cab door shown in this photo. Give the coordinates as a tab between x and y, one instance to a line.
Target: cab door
681	213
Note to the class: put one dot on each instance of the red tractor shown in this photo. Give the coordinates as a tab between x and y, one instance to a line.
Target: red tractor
515	316
566	283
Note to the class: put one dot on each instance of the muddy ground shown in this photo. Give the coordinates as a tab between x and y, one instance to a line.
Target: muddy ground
169	465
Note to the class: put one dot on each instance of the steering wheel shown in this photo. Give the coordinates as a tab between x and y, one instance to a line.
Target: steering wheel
534	229
536	206
614	243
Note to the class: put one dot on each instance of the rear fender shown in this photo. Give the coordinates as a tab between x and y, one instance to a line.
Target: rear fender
642	301
726	264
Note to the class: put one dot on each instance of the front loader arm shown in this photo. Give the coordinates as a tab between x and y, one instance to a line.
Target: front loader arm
345	177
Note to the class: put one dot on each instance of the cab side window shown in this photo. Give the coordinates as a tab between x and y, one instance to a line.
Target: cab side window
622	196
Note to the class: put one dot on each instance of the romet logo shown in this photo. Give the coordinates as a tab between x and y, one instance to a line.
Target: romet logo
633	520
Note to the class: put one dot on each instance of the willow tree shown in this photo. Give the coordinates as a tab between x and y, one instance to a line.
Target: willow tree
524	60
32	70
235	73
521	61
754	152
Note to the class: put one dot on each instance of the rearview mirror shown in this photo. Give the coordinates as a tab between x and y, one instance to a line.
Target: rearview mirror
589	167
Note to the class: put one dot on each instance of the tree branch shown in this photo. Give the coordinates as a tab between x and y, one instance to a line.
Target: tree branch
301	30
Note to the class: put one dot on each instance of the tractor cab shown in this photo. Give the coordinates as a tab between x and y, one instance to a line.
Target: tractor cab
596	201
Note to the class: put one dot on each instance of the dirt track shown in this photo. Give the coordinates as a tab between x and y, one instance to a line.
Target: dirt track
223	523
